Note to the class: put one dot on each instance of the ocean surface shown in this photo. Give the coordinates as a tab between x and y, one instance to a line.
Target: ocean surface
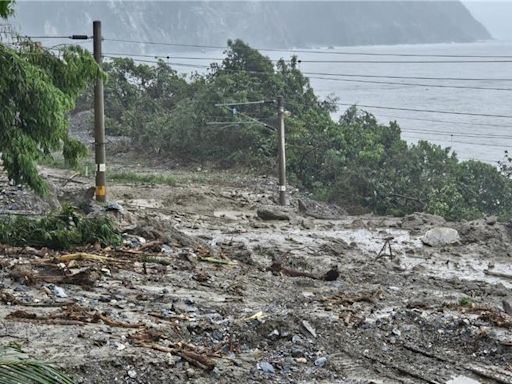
471	137
370	78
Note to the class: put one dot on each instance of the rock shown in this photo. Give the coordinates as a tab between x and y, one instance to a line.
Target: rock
132	373
272	214
266	367
296	339
491	220
320	362
332	274
297	352
166	250
416	221
191	373
114	206
507	305
440	236
309	328
57	291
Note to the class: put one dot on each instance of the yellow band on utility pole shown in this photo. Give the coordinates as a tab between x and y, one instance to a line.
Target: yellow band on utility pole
101	190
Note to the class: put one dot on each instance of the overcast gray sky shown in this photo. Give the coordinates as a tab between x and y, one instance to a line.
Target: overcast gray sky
495	15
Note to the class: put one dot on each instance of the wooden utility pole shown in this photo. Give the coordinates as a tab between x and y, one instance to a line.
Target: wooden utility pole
99	120
281	151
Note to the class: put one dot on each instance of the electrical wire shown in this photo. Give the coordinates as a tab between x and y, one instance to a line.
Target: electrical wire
406	77
446	121
461	142
403	61
327	52
457	134
427	111
412	84
164	57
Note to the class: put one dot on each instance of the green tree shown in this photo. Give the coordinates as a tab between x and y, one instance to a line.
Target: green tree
37	89
6	8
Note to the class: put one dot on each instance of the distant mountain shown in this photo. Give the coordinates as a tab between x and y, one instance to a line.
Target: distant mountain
261	23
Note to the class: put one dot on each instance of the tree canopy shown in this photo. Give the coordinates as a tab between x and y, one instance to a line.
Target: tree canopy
37	89
356	161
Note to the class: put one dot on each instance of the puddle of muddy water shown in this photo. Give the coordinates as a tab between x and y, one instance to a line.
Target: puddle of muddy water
144	203
369	241
462	380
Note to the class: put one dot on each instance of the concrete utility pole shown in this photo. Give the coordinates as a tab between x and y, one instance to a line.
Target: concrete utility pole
99	120
282	152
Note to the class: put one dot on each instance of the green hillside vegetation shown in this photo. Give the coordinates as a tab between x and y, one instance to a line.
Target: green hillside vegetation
356	162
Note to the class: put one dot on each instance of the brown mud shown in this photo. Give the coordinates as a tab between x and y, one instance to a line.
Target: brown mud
191	296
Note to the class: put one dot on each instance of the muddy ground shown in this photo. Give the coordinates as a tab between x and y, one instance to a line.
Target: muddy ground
191	296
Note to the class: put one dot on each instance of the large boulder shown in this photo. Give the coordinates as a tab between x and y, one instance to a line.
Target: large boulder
439	236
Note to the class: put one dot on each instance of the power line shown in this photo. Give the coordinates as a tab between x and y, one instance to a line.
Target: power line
403	61
327	52
72	37
158	62
134	57
444	133
464	142
428	111
447	121
412	84
406	77
320	73
165	57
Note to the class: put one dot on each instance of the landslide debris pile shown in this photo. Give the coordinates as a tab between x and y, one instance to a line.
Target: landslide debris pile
205	290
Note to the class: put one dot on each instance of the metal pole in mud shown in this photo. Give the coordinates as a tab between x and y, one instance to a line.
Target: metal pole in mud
99	119
282	153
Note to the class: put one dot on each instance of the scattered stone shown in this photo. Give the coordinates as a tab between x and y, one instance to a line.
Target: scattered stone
114	206
166	250
266	367
297	352
301	360
57	291
440	236
320	362
296	339
132	373
491	220
309	328
507	305
191	373
272	214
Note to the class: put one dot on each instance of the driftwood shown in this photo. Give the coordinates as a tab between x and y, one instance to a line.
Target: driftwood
70	315
197	359
330	275
498	274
